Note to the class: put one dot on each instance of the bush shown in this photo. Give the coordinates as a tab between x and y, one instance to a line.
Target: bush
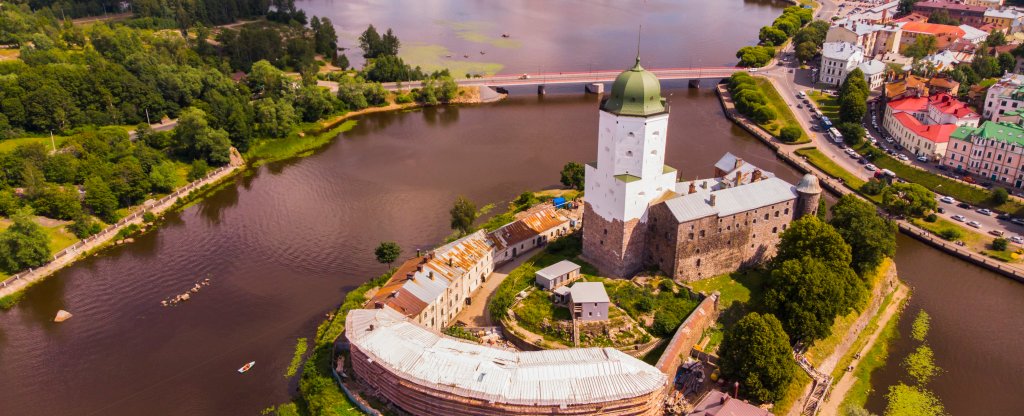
403	98
950	234
665	322
931	218
999	196
1000	244
790	134
148	217
763	114
873	187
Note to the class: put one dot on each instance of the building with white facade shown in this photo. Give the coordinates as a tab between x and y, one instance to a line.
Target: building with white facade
874	38
984	3
1004	19
837	60
994	150
874	73
1003	97
923	125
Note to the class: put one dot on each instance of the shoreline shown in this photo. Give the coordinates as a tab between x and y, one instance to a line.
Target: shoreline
787	153
13	288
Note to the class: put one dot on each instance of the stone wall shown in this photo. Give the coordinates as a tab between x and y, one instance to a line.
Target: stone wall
687	335
616	248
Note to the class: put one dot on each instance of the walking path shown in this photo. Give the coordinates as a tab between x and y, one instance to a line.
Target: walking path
476	313
832	402
67	256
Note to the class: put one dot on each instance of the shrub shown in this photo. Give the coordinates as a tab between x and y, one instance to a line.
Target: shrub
931	218
763	114
1000	244
148	216
999	196
950	234
789	134
872	187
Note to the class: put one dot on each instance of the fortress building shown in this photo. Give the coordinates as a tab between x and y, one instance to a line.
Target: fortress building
637	215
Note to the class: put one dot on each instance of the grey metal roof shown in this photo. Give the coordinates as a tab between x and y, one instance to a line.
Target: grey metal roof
809	184
873	66
557	269
729	201
840	50
551	377
588	292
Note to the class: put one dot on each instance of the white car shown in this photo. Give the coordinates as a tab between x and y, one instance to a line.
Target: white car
948	200
974	224
922	158
870	167
960	218
1017	239
903	157
888	139
984	211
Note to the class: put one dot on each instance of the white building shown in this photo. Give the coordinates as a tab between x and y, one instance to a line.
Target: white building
1005	96
837	60
984	3
874	73
874	38
973	34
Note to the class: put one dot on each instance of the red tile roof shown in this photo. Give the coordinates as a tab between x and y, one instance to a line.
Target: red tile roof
934	29
949	105
935	133
914	104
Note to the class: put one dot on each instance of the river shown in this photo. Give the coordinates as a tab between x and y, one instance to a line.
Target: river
283	244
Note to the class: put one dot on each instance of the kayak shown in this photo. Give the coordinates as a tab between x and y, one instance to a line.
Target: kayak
246	367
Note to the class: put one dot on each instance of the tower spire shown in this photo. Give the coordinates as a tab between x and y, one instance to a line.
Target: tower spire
638	32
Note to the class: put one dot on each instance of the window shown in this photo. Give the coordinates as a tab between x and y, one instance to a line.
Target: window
775	230
701	233
698	262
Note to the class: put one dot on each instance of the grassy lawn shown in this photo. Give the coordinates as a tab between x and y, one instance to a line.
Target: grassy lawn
739	286
661	298
60	238
785	114
828	104
830	167
941	226
270	150
942	185
874	359
10	144
537	310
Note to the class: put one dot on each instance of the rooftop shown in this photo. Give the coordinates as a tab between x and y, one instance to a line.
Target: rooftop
840	50
557	269
991	130
551	377
635	92
534	222
933	29
947	104
588	292
938	4
911	104
1003	14
716	403
935	133
729	201
872	67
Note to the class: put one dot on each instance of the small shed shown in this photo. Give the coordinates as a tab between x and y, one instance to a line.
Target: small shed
589	301
558	274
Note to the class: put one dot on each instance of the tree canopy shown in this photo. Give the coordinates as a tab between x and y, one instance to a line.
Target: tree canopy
871	237
573	176
387	252
811	237
463	214
756	352
24	244
808	293
908	199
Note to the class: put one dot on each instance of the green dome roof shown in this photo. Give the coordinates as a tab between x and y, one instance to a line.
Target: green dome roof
635	92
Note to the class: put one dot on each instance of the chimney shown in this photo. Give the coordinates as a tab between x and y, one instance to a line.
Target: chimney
370	328
737	163
449	262
739	178
378	305
431	275
408	276
693	187
704	185
712	201
724	398
419	267
417	252
756	175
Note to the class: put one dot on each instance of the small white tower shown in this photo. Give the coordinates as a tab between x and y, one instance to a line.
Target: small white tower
629	173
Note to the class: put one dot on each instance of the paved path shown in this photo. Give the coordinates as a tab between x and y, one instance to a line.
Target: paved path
831	405
476	313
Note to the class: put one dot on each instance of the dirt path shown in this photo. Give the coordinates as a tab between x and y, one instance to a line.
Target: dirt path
831	405
476	313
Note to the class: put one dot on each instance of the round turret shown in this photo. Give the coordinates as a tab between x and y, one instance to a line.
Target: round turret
635	92
808	193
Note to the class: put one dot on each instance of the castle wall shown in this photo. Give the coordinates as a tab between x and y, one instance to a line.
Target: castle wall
615	247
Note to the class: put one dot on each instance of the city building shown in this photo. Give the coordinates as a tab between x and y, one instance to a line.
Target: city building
874	73
717	403
943	85
907	86
875	39
837	60
1003	19
923	124
965	13
637	214
944	35
431	289
882	13
533	228
589	301
1004	96
557	275
993	151
423	372
995	4
973	34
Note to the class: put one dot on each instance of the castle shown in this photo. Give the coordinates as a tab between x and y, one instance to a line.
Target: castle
637	215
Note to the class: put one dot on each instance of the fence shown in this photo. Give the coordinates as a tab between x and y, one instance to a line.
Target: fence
154	207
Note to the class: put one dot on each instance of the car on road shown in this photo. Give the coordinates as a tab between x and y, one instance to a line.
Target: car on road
799	106
902	157
870	167
996	233
862	161
752	70
1003	216
524	76
984	211
947	199
1017	239
964	205
942	167
922	159
888	139
1017	221
958	217
974	224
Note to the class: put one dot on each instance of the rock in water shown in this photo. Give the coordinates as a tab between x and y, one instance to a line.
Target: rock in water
62	315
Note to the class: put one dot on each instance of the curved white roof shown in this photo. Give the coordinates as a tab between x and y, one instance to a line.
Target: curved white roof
551	377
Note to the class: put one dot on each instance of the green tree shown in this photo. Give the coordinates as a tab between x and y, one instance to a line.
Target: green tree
164	176
811	237
83	226
871	237
57	202
763	114
854	82
665	322
756	352
1000	244
999	195
906	400
387	252
1006	61
24	244
9	202
100	199
197	170
853	133
265	80
199	140
908	199
772	36
994	38
941	17
790	133
905	7
274	118
573	176
852	107
922	47
807	295
463	214
805	51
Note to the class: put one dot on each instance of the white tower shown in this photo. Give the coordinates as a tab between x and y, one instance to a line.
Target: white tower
629	174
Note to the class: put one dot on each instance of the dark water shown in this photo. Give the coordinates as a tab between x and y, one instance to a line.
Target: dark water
975	332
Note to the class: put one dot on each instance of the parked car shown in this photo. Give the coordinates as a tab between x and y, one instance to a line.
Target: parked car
941	210
964	205
1017	239
922	159
799	106
947	199
1017	221
958	217
984	211
996	233
974	224
870	167
862	161
942	167
902	157
1003	216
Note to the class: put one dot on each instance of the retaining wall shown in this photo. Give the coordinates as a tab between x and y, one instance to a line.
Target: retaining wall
687	335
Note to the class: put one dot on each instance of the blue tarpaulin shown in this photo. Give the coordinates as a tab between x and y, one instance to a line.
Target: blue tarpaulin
558	202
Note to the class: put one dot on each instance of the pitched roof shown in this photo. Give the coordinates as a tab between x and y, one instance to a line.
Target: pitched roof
872	67
557	269
421	280
549	378
912	104
716	403
532	223
946	104
991	130
936	4
840	50
731	200
933	29
935	133
588	292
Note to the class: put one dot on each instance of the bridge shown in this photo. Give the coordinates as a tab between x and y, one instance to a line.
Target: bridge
593	80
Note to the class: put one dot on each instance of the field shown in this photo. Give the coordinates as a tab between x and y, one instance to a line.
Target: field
822	162
10	144
785	114
942	185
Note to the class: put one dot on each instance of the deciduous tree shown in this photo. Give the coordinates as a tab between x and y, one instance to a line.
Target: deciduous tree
807	295
573	176
463	214
871	237
756	352
387	252
908	199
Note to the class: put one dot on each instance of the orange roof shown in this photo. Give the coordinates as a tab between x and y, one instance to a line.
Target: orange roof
943	83
933	29
935	133
534	222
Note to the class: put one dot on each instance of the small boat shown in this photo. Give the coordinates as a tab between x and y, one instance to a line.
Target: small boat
483	53
465	56
247	367
448	56
505	35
